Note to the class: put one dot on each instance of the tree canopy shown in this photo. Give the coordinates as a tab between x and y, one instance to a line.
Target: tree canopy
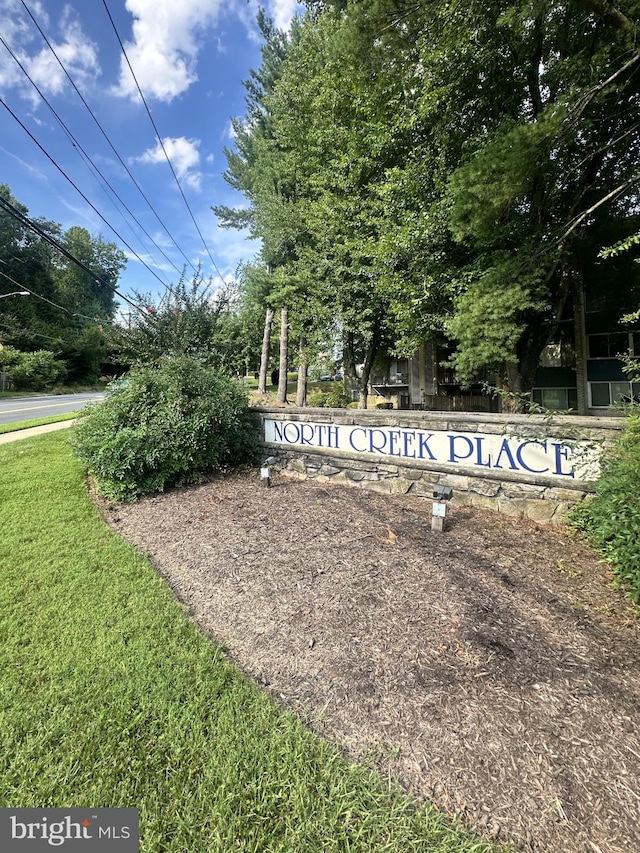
69	303
453	170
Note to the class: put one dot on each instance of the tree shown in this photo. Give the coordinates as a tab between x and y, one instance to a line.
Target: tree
71	279
511	133
187	321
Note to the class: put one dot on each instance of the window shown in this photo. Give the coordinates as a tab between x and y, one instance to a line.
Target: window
608	345
555	399
613	393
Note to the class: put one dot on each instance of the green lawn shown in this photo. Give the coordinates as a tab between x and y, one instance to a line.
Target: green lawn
109	696
50	419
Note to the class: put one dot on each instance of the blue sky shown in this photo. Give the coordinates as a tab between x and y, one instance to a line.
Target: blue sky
189	58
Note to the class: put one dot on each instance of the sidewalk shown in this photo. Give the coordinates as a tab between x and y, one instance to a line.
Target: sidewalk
6	437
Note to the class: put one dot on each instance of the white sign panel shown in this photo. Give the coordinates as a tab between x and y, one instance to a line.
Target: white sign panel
544	457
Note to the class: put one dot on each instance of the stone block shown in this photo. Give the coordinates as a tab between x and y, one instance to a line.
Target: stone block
490	488
297	465
514	507
521	490
410	473
329	470
570	496
360	476
483	501
541	511
456	481
399	486
463	499
423	490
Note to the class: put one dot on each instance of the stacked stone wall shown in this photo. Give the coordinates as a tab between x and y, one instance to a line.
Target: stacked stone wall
540	498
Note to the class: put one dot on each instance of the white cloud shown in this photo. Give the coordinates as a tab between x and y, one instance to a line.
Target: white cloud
163	51
283	12
77	53
184	156
75	50
167	36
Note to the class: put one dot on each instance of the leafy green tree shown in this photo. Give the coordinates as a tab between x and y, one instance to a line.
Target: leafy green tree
187	321
64	296
36	371
525	118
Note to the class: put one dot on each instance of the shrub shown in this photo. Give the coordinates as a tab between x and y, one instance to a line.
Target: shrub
165	426
334	399
611	519
36	371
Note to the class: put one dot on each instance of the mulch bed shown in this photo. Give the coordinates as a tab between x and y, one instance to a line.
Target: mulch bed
489	668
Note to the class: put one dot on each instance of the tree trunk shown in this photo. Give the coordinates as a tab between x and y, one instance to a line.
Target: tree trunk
264	358
512	398
363	384
284	355
301	390
580	342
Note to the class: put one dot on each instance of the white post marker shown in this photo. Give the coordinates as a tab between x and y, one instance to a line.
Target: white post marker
265	471
438	517
441	494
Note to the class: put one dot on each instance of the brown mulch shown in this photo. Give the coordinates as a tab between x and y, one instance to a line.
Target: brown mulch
490	668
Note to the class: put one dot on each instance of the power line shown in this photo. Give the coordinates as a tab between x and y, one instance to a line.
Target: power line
81	151
105	135
79	191
95	319
28	223
159	137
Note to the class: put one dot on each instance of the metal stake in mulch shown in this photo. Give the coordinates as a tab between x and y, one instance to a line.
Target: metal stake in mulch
441	494
265	471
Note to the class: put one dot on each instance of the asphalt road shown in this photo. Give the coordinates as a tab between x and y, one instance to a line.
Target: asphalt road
13	409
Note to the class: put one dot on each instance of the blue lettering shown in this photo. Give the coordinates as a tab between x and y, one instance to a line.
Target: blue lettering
351	435
289	427
408	437
375	448
543	445
304	440
277	431
479	461
423	446
332	436
562	452
394	436
504	448
456	457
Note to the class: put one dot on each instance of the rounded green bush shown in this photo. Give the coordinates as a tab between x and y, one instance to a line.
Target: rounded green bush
163	426
611	519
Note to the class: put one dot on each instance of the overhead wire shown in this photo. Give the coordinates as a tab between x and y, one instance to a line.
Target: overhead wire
162	145
82	153
106	136
33	293
28	223
79	191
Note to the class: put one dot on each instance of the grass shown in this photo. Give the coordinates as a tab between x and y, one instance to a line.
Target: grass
110	696
50	419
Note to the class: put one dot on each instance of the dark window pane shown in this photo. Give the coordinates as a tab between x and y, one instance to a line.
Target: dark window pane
618	344
555	398
600	394
598	346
